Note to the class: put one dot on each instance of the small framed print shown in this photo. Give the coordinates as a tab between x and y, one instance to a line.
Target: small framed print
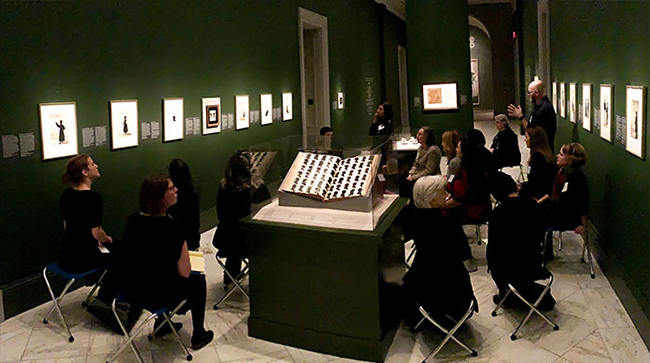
266	105
554	94
606	112
573	103
211	109
124	124
58	129
562	100
439	96
242	112
586	106
475	85
635	112
340	101
172	119
287	106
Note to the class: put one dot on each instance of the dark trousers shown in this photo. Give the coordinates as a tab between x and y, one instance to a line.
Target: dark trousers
233	266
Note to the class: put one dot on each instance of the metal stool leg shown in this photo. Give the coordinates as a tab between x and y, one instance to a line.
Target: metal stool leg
236	280
586	248
129	340
55	303
95	287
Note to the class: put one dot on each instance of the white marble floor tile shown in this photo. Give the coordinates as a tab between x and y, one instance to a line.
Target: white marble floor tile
607	309
205	354
127	356
562	360
507	351
590	350
228	326
306	356
402	350
58	360
572	331
14	336
576	305
251	349
273	357
52	342
106	342
625	345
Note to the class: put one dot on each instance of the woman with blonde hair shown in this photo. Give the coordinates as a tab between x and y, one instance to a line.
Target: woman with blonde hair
541	168
450	140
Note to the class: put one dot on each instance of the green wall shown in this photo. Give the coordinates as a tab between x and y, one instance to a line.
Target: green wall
93	52
438	52
588	47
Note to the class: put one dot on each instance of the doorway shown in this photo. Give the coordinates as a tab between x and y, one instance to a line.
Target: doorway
314	75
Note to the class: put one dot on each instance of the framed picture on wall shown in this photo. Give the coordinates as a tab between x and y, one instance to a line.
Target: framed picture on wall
586	106
172	119
573	103
340	101
211	110
124	124
635	111
554	95
287	106
266	105
439	96
475	85
606	112
242	112
562	100
58	129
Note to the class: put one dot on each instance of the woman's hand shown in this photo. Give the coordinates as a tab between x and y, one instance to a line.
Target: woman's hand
580	230
410	177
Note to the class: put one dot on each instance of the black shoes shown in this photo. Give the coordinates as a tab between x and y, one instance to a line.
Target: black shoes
202	340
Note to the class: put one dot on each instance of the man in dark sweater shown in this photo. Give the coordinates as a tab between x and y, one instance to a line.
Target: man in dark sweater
543	114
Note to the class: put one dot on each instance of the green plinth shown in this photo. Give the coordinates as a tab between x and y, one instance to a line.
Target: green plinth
322	289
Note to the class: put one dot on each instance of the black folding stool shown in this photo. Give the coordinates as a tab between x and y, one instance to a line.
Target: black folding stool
55	269
166	313
238	280
450	333
585	249
544	274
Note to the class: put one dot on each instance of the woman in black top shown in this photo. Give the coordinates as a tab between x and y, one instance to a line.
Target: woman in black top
155	262
505	146
541	167
382	123
233	204
82	211
186	209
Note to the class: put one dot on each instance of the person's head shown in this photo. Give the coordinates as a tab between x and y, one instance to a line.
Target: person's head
79	168
179	173
157	193
536	90
450	140
326	131
426	136
385	111
573	154
476	137
429	192
238	171
501	121
537	141
502	186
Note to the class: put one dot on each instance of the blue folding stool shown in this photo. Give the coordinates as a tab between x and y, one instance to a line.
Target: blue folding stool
55	269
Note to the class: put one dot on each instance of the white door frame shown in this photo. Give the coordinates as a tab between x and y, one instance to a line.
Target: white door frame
311	20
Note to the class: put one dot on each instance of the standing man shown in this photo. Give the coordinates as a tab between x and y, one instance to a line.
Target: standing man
543	114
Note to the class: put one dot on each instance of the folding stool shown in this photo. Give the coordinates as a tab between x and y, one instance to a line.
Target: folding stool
449	333
544	275
55	269
164	312
412	254
585	249
238	280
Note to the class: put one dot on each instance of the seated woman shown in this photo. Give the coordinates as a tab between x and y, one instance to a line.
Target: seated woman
569	201
516	231
186	209
82	211
541	168
437	279
233	204
505	146
382	123
427	161
450	140
155	262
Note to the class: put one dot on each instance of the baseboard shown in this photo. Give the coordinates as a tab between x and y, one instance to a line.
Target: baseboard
636	305
2	308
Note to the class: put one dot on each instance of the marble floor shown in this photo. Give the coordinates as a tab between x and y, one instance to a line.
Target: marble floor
594	326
